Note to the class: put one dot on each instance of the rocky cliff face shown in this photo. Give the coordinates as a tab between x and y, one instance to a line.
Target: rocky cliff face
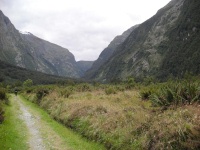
166	44
107	53
28	51
84	66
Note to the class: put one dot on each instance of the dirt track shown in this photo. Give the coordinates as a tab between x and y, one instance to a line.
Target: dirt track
35	140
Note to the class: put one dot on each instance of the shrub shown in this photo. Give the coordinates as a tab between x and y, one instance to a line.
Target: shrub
121	88
2	98
85	87
178	93
28	83
2	94
130	83
41	92
110	90
146	92
66	92
1	115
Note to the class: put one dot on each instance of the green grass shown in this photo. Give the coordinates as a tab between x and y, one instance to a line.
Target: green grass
73	140
12	130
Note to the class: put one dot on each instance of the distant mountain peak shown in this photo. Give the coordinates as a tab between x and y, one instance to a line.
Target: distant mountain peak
23	49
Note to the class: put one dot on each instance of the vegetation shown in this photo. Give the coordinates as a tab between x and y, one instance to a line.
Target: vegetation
174	93
3	101
63	138
12	130
182	49
127	117
120	115
15	76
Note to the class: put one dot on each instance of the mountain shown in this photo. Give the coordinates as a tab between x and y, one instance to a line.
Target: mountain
107	53
84	65
28	51
12	75
166	44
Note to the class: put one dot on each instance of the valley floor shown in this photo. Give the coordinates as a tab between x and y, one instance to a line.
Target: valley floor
41	132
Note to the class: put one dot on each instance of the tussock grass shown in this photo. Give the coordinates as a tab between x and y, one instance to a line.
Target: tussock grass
68	139
122	120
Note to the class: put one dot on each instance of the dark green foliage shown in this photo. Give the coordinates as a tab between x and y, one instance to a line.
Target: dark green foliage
110	90
14	76
130	83
184	43
1	114
28	83
3	99
147	91
145	94
84	87
173	93
40	93
2	94
177	93
66	92
1	78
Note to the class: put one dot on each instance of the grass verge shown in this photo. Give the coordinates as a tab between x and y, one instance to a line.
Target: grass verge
71	139
13	130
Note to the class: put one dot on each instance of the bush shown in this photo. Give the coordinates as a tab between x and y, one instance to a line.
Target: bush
2	98
66	92
178	93
146	92
110	90
2	94
28	83
41	92
130	83
1	114
85	87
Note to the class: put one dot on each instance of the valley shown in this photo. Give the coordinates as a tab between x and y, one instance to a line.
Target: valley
142	92
118	116
36	130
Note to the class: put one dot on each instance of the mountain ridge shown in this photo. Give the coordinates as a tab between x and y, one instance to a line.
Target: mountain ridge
108	52
148	49
31	52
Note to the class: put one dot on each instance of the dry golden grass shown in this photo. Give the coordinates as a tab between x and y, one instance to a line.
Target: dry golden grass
123	120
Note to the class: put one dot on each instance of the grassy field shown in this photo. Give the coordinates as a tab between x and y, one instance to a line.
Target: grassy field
120	118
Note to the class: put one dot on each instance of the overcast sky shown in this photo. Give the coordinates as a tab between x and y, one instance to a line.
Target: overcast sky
85	27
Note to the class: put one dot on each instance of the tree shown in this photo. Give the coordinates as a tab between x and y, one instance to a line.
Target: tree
28	83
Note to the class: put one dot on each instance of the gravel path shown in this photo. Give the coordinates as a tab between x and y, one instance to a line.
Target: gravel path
35	139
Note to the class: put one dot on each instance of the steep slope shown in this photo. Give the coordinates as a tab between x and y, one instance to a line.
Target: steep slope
31	52
183	51
166	44
51	58
107	52
84	66
13	74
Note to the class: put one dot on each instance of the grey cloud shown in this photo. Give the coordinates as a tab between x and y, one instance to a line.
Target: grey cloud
85	32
